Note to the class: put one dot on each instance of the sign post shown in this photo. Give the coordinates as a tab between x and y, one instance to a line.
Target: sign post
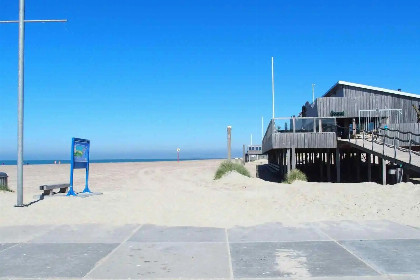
79	159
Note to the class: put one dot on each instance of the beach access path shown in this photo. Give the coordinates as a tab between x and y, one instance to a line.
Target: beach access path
323	250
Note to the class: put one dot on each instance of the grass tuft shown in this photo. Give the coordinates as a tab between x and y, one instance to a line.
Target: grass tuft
5	188
294	175
227	166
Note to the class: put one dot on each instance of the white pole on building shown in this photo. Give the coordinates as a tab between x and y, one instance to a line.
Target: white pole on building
272	80
262	128
313	93
251	139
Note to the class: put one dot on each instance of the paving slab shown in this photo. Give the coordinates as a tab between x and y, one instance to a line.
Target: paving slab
381	277
165	260
295	259
86	233
367	230
275	232
19	234
6	245
51	260
152	233
400	256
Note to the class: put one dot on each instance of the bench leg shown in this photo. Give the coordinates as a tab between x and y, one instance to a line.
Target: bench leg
63	190
48	192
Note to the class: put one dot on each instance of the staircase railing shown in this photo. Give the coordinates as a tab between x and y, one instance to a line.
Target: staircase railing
380	137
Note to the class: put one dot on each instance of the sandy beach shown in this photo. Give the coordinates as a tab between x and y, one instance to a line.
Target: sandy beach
174	194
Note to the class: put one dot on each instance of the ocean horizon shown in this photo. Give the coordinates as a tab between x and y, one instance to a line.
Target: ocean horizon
51	161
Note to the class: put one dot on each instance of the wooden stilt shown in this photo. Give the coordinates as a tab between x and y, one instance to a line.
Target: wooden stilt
337	164
321	167
288	160
293	158
329	166
369	165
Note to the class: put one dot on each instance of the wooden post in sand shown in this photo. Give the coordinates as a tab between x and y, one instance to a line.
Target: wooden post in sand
243	154
293	158
229	130
369	171
329	166
288	160
337	164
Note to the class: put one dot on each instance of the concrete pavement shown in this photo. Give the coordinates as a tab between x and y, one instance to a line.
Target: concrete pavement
326	250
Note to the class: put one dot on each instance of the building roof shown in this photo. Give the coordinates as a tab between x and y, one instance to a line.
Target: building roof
372	88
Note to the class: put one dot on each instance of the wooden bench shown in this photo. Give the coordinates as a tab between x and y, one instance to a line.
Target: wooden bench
48	189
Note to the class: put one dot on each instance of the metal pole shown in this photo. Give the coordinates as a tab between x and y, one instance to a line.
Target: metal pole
229	129
21	22
409	147
383	142
34	20
262	128
20	103
272	80
313	93
395	149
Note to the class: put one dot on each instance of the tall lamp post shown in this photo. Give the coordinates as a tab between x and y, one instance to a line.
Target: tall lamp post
21	71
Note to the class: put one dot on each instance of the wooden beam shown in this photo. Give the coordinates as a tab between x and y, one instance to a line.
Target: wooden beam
329	166
369	165
293	158
337	164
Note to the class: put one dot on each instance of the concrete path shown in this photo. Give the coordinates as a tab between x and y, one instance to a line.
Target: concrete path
328	250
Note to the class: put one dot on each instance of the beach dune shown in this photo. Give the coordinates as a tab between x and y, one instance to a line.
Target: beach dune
184	193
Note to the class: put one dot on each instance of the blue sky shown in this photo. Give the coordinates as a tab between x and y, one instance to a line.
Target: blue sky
140	78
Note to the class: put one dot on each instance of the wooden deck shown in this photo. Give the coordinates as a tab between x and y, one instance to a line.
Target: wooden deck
397	156
309	140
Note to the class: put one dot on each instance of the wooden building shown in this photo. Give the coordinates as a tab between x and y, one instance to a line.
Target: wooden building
368	106
314	141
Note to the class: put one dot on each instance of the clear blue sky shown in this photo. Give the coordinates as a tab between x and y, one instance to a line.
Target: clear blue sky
140	78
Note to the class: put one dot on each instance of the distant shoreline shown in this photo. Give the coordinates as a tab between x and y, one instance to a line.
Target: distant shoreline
38	162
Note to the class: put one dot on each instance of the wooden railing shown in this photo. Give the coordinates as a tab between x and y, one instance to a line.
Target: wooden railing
381	136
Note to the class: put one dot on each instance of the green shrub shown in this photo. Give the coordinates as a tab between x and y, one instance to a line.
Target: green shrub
227	166
5	188
294	175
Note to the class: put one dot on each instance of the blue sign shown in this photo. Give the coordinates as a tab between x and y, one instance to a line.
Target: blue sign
79	159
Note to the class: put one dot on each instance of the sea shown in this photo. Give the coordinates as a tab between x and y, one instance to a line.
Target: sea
32	162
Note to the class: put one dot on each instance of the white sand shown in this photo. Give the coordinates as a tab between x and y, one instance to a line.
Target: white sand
171	193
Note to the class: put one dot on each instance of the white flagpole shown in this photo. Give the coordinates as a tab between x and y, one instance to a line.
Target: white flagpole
272	80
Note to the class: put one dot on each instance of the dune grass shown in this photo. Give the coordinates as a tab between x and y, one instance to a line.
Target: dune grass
228	166
294	175
5	188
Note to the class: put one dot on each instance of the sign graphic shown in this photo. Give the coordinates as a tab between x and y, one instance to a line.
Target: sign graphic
79	160
337	114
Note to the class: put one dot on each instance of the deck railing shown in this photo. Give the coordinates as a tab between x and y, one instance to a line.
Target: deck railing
381	137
